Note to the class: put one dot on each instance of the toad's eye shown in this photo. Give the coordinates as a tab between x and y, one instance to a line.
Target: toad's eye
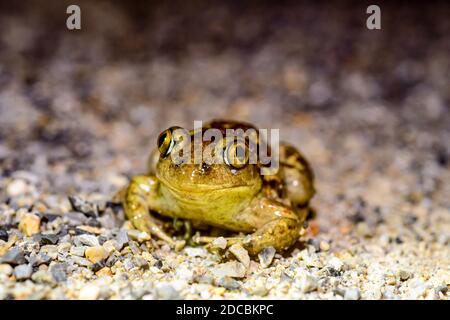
236	154
166	142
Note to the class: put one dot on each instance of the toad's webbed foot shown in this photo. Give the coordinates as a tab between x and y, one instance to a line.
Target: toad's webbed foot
278	226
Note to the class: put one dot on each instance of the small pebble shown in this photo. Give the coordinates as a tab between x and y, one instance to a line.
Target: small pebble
34	259
404	275
389	293
324	246
6	269
166	292
204	279
89	229
29	224
352	294
58	272
96	254
259	289
104	272
385	240
16	188
64	248
419	288
363	230
122	237
442	289
113	258
13	256
75	218
112	245
107	220
308	283
419	291
314	245
140	262
42	258
195	251
148	256
228	283
231	269
134	248
443	239
335	263
139	236
48	217
50	250
219	242
49	238
266	256
81	261
42	276
390	279
77	251
23	272
89	292
87	240
128	264
240	253
83	206
310	258
184	272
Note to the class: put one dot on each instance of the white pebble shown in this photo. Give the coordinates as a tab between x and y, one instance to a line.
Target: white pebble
335	263
308	283
89	292
195	252
241	254
87	239
220	243
16	188
232	269
352	294
266	256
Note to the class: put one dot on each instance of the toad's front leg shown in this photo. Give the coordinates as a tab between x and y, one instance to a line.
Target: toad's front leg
140	197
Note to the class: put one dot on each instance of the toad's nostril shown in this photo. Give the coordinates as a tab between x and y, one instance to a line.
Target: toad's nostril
205	167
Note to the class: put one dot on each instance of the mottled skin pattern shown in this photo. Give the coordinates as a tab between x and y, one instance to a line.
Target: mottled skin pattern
270	208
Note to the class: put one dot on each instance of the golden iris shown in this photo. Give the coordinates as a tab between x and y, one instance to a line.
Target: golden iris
236	154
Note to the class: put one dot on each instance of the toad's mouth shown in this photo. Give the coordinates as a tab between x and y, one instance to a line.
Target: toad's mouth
197	188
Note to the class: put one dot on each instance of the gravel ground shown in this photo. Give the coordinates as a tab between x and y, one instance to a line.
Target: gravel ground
79	113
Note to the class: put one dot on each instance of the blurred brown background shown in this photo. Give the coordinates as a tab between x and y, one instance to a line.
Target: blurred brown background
100	95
